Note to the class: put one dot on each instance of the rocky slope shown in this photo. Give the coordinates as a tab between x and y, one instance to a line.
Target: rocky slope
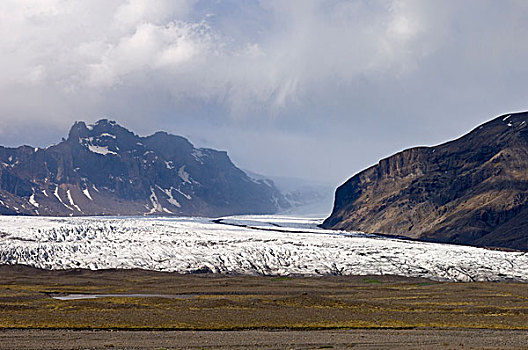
473	190
104	169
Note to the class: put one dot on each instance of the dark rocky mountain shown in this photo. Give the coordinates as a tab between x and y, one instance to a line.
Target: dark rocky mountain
473	190
104	169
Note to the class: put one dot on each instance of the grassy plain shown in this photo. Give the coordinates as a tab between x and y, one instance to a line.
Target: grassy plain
213	302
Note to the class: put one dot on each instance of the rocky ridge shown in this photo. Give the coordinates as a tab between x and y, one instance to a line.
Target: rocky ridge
473	190
105	169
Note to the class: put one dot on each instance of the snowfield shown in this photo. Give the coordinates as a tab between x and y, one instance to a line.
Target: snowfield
264	245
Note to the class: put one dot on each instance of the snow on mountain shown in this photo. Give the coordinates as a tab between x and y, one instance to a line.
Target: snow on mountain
131	175
266	245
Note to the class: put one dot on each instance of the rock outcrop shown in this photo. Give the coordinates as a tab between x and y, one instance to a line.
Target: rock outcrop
473	190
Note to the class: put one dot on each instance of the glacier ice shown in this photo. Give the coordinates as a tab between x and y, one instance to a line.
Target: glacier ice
263	245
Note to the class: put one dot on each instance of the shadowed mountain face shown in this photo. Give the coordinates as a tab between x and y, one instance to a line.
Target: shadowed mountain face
473	190
104	169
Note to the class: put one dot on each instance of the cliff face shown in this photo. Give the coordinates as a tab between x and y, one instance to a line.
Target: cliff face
473	190
104	169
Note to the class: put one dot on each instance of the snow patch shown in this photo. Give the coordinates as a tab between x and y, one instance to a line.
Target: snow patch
170	198
100	150
506	117
32	200
156	206
198	155
188	197
56	194
87	193
105	134
72	203
183	174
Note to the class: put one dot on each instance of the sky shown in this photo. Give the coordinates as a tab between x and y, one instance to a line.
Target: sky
304	88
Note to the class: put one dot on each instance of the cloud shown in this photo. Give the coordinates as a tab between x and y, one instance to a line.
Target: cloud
78	45
169	48
355	79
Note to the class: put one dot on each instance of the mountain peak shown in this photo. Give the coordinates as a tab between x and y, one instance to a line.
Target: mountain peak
104	121
105	169
78	129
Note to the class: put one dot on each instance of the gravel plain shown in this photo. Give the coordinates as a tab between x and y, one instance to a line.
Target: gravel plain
266	339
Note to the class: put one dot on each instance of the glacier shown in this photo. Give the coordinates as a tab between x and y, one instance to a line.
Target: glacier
251	245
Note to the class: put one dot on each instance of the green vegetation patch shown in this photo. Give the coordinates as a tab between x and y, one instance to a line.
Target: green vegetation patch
282	278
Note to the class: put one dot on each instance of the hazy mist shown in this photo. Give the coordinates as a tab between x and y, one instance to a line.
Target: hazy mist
310	89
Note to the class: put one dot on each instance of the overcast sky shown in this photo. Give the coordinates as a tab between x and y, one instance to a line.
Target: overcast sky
310	89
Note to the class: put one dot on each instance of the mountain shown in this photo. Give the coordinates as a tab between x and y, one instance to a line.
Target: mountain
307	198
105	169
473	190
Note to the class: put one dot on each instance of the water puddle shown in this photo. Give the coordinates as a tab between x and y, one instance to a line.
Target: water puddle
61	296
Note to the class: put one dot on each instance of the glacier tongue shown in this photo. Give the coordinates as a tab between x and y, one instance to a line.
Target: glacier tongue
267	245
